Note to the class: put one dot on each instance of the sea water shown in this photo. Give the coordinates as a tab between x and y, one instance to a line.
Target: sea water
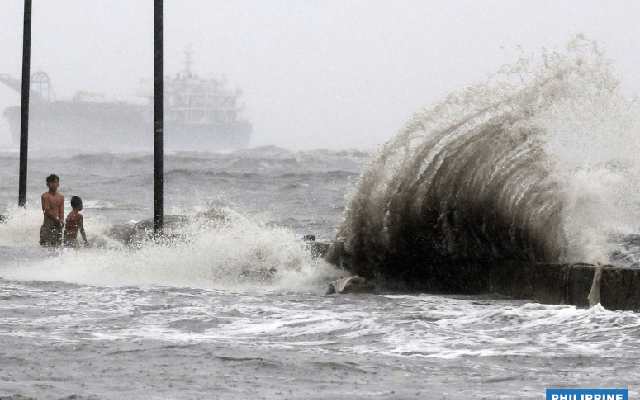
234	305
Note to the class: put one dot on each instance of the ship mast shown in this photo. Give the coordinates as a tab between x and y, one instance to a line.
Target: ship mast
188	61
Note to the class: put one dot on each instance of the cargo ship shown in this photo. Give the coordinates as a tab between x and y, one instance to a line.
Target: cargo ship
200	114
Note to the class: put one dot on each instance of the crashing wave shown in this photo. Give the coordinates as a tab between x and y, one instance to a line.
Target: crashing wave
471	179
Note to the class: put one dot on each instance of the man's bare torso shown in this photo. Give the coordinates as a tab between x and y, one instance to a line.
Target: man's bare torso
53	208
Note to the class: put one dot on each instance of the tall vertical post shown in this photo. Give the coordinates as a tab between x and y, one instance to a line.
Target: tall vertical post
158	119
24	104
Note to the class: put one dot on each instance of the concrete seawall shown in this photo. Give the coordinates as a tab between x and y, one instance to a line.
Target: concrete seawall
576	284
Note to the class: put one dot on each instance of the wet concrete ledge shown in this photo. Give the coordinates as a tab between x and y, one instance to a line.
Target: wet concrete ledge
578	284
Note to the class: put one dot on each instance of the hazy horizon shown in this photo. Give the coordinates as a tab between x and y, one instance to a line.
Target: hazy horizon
315	74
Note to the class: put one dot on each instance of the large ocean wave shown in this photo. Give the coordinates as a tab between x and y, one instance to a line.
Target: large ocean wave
497	171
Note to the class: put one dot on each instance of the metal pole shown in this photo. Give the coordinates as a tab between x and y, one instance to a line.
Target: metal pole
24	104
158	120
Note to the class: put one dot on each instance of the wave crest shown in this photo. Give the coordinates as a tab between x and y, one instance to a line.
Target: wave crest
469	179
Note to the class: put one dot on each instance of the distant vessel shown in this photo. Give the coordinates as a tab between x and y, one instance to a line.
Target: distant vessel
200	114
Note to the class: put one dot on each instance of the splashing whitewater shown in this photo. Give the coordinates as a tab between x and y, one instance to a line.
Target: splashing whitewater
497	171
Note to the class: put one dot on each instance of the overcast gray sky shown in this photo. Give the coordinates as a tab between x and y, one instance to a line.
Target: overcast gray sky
315	74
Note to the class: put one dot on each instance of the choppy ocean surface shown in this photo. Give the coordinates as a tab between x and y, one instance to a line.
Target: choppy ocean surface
193	294
234	304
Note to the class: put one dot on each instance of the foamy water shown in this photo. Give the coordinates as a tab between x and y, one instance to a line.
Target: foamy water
391	325
205	253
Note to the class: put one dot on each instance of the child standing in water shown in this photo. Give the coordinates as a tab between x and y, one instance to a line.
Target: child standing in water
74	224
53	209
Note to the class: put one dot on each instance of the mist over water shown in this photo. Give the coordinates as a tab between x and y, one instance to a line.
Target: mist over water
537	165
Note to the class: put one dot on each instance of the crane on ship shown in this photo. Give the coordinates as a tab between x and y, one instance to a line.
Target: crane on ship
40	85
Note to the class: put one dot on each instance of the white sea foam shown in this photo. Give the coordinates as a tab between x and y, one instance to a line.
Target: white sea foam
203	253
21	227
398	326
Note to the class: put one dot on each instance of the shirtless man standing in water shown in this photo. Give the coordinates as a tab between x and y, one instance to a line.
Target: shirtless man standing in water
53	209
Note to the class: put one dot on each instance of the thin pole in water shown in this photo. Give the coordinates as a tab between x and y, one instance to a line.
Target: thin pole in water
24	104
158	120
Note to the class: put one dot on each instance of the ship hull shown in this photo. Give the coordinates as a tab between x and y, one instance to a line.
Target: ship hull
120	127
207	135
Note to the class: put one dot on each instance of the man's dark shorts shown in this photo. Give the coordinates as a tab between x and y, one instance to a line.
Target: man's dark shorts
50	235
